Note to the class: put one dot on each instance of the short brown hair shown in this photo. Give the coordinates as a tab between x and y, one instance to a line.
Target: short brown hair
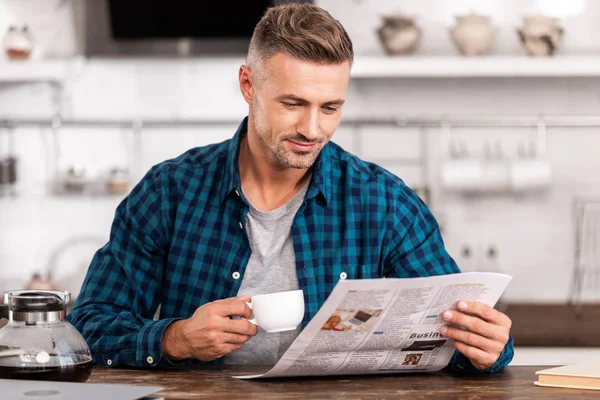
301	30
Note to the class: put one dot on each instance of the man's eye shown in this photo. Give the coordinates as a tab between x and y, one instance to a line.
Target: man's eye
330	109
290	105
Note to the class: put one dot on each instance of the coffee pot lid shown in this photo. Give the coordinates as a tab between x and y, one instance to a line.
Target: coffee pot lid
37	300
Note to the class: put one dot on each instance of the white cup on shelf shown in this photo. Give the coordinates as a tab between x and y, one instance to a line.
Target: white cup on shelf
530	174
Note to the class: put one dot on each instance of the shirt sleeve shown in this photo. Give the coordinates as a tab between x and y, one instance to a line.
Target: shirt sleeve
416	248
419	251
461	363
115	308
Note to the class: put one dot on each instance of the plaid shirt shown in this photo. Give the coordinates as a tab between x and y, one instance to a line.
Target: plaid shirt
178	240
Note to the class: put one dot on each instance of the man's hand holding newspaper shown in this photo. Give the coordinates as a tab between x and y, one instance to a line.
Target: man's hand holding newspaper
395	325
485	335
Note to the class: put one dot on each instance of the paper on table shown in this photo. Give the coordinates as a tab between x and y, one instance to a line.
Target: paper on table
30	389
383	326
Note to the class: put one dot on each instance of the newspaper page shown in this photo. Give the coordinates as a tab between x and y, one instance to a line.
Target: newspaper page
387	325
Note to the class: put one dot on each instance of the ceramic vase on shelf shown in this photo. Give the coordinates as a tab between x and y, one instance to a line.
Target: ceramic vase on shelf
18	42
399	34
472	34
540	35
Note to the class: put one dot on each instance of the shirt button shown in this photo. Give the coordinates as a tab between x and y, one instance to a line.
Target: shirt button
238	193
343	275
109	362
150	360
241	226
236	275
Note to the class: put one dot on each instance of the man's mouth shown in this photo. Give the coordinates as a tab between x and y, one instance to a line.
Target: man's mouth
302	147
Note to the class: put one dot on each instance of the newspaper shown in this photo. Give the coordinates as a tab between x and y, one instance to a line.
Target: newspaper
387	325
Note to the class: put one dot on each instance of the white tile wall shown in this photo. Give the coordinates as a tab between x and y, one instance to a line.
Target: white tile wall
533	234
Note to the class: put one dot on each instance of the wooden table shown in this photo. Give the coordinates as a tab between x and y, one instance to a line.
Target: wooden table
216	382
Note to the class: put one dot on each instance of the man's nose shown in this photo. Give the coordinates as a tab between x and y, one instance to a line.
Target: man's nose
309	126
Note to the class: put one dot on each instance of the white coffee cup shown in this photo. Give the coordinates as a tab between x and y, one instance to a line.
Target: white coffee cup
278	312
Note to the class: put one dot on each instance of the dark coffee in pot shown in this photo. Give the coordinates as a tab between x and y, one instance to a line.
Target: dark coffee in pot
78	371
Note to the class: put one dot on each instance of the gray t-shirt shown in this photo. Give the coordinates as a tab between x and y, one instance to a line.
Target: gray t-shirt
271	268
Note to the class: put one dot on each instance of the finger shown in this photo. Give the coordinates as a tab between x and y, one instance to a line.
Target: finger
484	311
477	325
229	347
226	349
240	327
235	306
233	338
479	358
473	339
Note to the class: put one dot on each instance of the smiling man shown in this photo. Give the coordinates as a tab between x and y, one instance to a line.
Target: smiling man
277	207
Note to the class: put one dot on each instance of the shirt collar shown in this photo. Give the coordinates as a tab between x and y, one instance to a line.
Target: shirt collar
320	183
231	180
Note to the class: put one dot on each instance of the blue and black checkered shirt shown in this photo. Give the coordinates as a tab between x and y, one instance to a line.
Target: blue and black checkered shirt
178	240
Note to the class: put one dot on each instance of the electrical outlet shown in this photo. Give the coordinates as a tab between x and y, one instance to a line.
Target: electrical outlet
491	259
466	251
466	263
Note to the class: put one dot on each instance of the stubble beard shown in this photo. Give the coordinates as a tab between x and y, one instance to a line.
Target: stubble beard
282	155
289	158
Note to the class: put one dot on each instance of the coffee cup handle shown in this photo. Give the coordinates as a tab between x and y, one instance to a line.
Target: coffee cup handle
251	320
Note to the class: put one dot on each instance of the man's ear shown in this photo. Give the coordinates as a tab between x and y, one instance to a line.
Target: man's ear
246	84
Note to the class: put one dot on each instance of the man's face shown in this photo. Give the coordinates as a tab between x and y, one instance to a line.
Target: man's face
296	108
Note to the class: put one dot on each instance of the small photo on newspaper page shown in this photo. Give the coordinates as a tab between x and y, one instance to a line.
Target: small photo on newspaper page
352	320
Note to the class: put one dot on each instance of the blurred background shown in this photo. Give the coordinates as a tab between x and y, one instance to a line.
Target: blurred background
487	108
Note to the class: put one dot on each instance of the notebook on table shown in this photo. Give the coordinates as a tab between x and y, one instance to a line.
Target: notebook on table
19	389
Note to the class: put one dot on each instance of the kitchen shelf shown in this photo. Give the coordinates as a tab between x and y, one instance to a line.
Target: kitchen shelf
372	67
414	66
33	71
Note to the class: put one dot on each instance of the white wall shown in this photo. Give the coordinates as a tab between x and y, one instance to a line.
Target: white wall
533	235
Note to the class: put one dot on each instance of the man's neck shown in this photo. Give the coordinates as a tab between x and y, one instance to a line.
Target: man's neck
267	186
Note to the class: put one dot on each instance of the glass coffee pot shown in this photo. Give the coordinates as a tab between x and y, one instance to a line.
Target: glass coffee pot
38	343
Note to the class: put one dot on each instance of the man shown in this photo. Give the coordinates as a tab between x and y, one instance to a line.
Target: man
278	207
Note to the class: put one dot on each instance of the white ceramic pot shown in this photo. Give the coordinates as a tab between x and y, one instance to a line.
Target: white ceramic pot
399	34
472	34
540	35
